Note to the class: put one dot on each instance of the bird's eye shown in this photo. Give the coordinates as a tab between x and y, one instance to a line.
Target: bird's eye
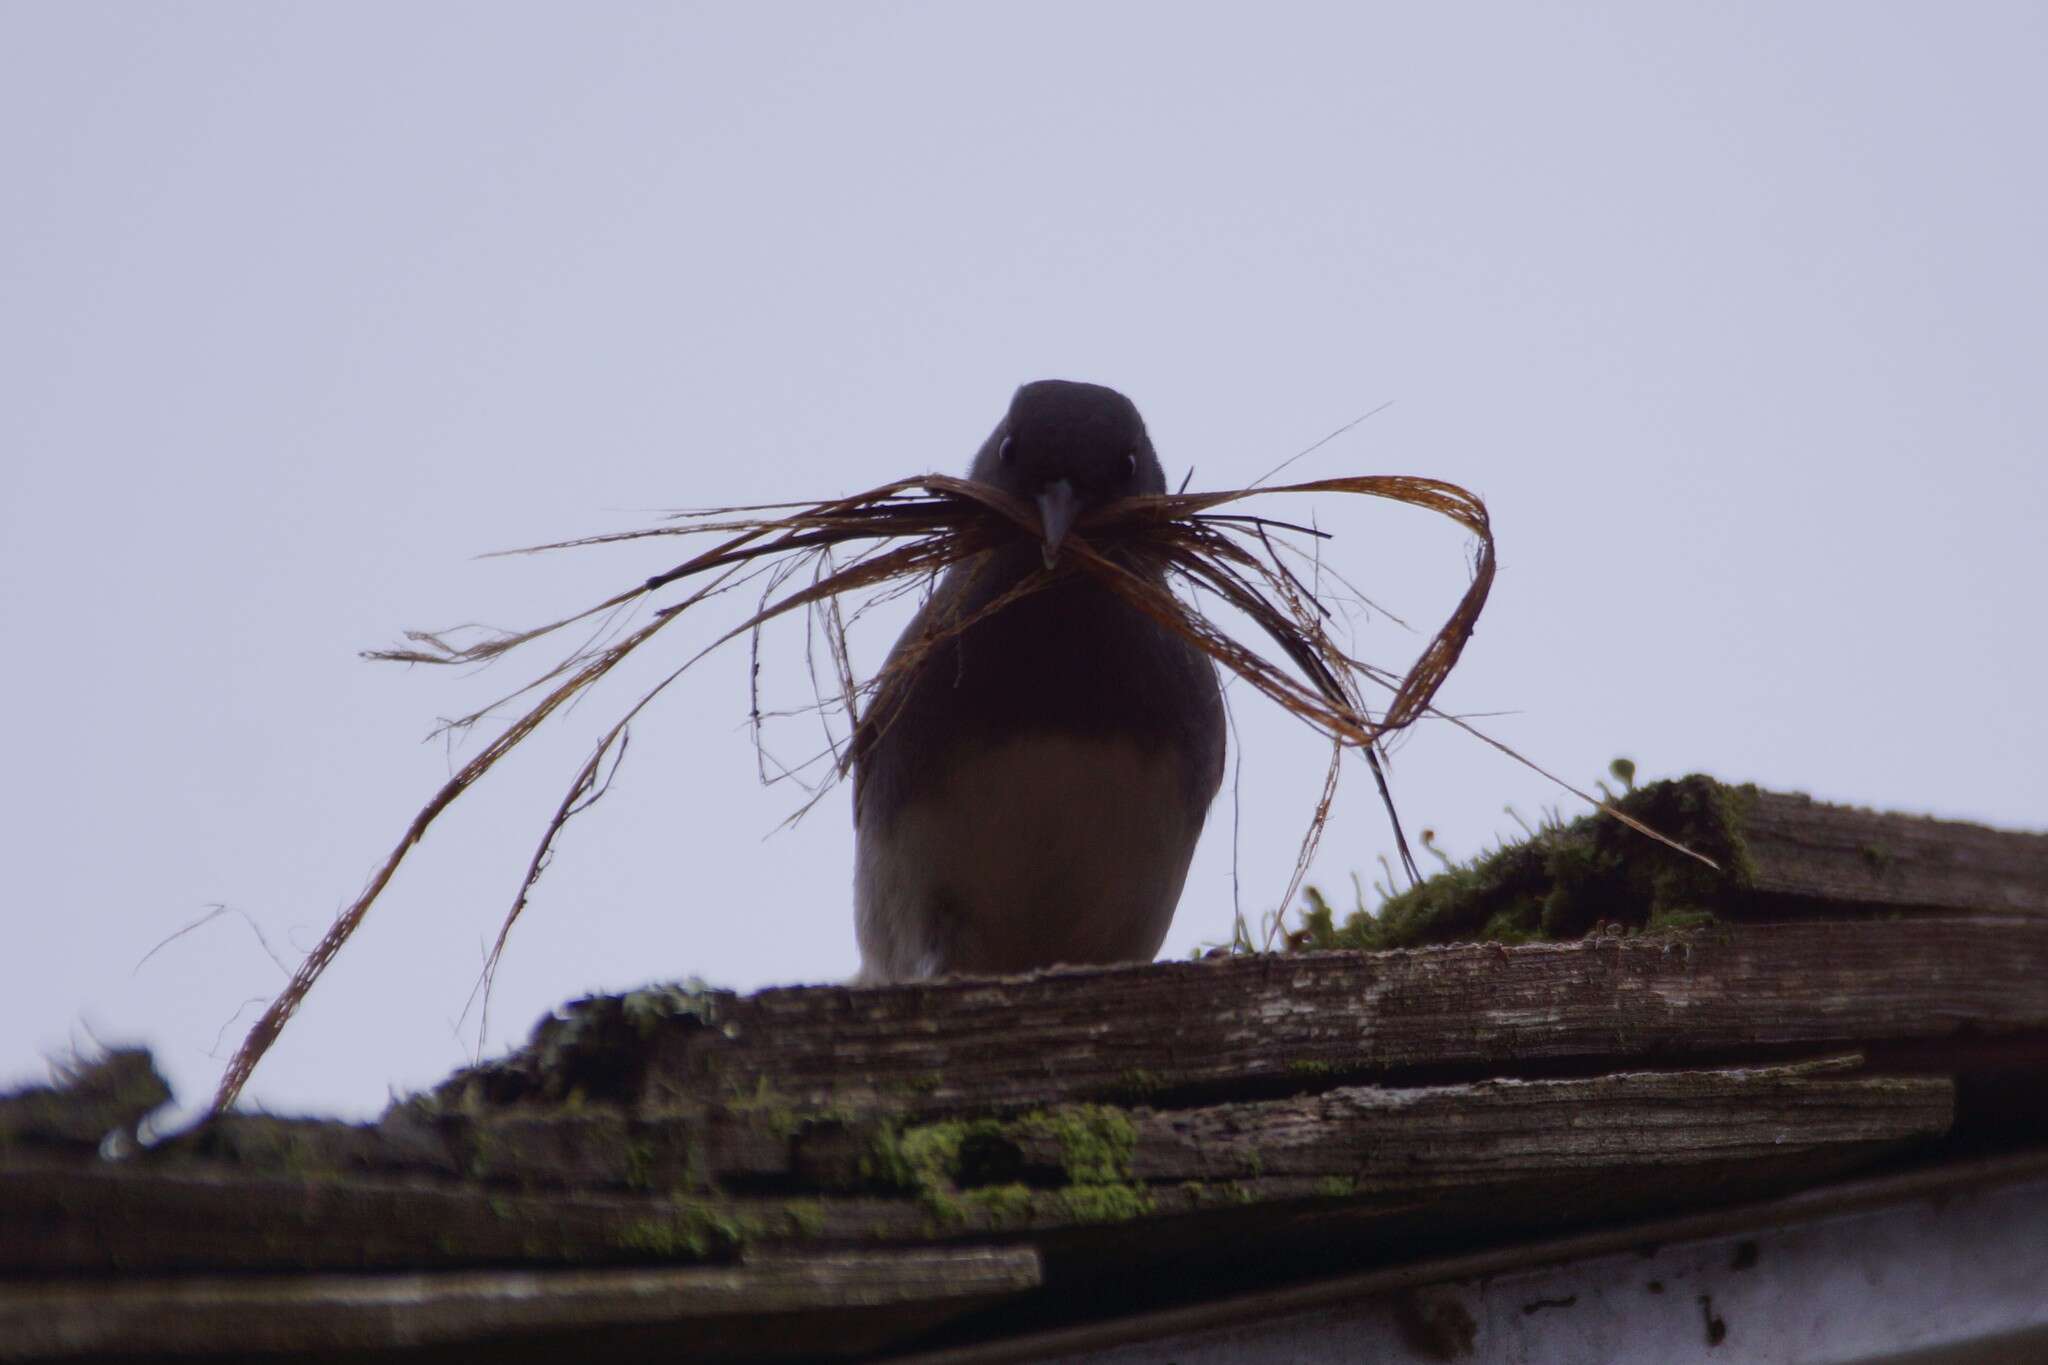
1007	451
1130	464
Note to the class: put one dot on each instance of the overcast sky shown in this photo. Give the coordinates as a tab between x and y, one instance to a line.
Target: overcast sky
1734	314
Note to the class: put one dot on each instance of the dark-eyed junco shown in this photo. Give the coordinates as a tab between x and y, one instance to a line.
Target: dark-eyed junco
1037	794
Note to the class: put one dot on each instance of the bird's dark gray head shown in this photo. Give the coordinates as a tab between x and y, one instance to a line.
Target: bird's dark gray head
1067	447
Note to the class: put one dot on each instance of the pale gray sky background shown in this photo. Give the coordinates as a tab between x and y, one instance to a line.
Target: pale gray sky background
1735	315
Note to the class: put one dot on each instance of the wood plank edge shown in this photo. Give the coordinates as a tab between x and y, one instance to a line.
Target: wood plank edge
47	1320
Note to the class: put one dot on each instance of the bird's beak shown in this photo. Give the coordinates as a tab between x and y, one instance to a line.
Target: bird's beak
1057	508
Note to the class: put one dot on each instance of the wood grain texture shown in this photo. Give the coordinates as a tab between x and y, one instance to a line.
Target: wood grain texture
841	1303
1444	1136
1388	1148
1126	1034
1860	858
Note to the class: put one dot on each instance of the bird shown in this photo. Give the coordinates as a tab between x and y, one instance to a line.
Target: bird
1033	793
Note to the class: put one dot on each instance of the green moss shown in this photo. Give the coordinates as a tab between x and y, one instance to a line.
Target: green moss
1105	1203
924	1160
590	1052
1319	931
1095	1141
1140	1084
645	1009
696	1173
86	1098
1509	925
767	1110
931	1151
692	1231
1336	1187
1310	1070
1002	1205
806	1217
639	1172
1567	879
882	1163
1677	919
486	1158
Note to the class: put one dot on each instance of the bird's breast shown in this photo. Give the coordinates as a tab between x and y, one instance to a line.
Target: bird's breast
1042	848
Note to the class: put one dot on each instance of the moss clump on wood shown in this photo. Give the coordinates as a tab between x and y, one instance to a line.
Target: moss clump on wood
962	1170
693	1230
1140	1084
1567	879
1002	1205
767	1109
590	1052
1095	1141
88	1099
806	1217
639	1172
646	1008
918	1158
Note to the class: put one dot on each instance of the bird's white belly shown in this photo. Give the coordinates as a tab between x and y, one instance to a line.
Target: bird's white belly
1044	849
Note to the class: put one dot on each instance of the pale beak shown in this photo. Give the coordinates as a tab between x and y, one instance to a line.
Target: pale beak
1057	508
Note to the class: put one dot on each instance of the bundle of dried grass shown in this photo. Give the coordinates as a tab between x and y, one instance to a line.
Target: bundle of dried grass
908	531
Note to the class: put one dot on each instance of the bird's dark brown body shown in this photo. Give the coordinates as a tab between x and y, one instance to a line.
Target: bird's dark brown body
1036	795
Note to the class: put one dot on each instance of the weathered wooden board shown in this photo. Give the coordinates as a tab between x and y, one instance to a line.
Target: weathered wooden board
1502	1131
828	1305
1059	1169
1840	854
1123	1034
134	1218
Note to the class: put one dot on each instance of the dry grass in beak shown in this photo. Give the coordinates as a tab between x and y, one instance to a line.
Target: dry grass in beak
907	531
